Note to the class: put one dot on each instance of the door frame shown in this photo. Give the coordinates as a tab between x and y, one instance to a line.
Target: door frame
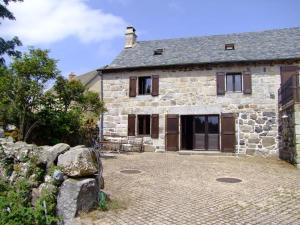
206	132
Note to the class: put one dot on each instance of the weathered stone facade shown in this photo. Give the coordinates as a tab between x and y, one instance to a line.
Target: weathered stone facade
289	135
193	92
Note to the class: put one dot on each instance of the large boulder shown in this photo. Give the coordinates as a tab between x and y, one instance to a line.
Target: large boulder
76	196
50	154
77	163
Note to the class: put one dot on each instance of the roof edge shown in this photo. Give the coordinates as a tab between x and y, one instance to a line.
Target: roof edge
169	66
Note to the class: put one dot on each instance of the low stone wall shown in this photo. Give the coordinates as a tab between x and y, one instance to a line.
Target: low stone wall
69	173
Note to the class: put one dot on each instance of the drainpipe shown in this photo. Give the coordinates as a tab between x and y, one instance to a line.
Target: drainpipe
101	97
238	133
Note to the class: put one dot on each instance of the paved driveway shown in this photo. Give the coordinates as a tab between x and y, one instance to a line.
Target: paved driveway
182	189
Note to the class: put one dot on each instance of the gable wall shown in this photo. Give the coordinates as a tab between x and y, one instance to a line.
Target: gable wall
194	92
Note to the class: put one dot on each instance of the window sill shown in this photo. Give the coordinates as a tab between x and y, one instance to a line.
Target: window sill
143	135
233	92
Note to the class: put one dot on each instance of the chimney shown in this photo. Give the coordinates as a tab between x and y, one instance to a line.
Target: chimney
130	37
72	76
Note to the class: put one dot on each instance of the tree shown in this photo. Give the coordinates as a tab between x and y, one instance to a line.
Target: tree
22	88
8	47
68	91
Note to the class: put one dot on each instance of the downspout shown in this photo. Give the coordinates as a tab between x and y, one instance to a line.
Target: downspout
238	133
101	97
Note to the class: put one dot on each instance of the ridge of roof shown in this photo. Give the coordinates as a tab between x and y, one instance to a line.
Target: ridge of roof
249	46
219	35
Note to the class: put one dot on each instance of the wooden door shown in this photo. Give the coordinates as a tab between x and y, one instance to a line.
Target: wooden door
228	132
172	132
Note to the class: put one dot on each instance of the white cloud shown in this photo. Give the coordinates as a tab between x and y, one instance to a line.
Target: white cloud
48	21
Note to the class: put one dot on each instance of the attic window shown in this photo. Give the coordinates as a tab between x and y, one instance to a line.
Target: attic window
229	46
158	51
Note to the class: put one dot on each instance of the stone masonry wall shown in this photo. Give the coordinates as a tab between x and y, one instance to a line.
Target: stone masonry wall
187	92
289	135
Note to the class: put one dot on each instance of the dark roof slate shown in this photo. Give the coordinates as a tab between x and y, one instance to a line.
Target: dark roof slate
251	46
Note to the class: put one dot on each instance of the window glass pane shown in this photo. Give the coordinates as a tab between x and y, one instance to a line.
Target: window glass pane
238	83
141	124
144	85
199	124
229	82
144	124
147	129
148	85
213	124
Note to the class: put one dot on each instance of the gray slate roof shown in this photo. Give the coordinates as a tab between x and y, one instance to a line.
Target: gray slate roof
87	77
251	46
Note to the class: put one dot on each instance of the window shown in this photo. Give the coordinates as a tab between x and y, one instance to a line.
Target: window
144	124
229	46
145	85
158	51
234	82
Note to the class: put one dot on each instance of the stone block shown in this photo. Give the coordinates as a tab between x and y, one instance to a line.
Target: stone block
246	128
253	140
258	129
78	163
268	141
269	114
250	151
149	148
76	196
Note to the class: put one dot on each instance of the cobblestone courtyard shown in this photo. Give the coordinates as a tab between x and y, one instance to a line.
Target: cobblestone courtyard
182	189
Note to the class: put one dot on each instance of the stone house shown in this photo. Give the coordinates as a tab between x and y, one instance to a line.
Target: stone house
211	93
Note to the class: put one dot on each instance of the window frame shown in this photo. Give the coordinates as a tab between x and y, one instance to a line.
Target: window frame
229	47
234	74
144	134
138	86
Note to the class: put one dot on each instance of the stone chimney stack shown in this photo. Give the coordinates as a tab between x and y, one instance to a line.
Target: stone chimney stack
72	76
130	37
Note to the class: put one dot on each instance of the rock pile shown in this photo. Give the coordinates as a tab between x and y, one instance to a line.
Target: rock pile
67	172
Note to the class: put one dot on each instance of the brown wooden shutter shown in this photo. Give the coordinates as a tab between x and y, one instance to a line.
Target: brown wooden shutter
155	85
220	77
155	126
247	83
132	86
228	132
172	132
131	125
288	71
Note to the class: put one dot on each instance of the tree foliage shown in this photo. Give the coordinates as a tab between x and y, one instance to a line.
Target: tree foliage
69	113
63	114
8	47
22	86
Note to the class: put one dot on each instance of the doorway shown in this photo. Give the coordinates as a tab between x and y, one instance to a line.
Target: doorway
200	132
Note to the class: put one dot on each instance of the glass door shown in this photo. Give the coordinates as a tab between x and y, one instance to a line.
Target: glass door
213	132
199	132
206	132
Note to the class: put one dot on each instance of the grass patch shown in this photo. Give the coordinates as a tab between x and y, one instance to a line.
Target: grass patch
115	205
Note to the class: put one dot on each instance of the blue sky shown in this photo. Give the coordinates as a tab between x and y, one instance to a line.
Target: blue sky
87	34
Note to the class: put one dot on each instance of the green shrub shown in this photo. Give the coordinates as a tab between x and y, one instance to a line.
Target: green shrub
15	206
102	201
